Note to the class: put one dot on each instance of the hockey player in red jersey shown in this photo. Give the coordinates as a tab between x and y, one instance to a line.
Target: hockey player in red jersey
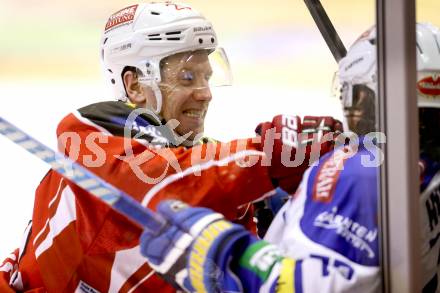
161	60
325	238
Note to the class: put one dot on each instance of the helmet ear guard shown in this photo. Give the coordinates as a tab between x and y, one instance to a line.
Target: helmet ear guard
151	77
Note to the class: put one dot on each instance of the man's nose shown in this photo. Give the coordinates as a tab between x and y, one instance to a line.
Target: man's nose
203	94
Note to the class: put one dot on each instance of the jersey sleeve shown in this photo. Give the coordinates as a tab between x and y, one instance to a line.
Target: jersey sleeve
264	268
212	174
76	239
221	176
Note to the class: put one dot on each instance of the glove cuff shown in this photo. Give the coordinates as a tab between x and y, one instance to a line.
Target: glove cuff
210	254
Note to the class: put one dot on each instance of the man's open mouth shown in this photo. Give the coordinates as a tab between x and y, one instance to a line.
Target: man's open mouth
194	113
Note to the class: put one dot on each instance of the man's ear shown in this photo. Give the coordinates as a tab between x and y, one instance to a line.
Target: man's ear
133	89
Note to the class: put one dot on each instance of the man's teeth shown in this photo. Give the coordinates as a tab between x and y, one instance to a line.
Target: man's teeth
194	113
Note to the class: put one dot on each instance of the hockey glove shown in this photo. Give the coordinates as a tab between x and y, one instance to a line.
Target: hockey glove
266	209
321	132
291	146
193	251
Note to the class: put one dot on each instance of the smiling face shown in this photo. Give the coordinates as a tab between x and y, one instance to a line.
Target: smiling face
185	90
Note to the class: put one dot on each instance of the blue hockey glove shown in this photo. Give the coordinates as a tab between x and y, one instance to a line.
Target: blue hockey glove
193	251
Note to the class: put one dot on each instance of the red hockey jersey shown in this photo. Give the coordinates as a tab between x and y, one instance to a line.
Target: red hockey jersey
75	243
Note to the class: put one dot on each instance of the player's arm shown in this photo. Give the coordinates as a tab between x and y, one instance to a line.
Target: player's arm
216	175
334	248
201	251
200	175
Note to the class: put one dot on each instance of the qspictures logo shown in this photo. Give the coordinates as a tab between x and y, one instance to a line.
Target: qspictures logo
122	16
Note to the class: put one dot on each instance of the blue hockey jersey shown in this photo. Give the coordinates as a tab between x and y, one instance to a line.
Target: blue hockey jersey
330	227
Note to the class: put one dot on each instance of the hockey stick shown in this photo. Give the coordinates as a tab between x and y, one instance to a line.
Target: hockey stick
327	29
85	179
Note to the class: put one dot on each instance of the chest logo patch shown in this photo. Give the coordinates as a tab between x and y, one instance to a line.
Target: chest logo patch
328	175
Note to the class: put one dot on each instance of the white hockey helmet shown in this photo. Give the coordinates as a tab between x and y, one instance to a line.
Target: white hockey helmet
357	75
428	89
428	65
142	35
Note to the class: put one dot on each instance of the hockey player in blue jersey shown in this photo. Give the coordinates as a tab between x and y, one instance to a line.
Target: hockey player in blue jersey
325	238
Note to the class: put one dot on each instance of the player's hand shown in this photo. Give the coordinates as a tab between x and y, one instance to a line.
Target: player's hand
321	131
292	145
192	252
266	209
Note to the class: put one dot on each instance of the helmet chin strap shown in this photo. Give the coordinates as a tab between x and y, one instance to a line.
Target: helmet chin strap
345	123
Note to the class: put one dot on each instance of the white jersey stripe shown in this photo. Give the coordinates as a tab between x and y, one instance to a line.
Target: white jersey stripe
126	263
151	273
50	204
65	214
7	267
41	232
56	194
195	168
24	240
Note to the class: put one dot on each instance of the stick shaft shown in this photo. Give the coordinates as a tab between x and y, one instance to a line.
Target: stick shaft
327	29
84	178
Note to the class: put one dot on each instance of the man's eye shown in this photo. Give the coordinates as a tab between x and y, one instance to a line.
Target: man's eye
187	75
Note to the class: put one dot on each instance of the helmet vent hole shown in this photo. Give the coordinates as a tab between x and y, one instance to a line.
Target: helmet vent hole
372	42
109	70
200	41
154	37
113	81
212	40
105	41
174	35
154	13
